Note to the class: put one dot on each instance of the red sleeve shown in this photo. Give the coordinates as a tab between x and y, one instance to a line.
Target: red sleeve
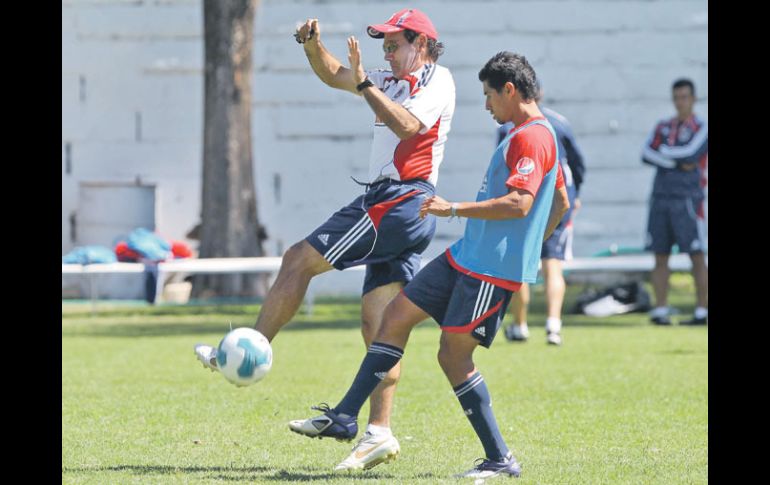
559	178
657	139
530	156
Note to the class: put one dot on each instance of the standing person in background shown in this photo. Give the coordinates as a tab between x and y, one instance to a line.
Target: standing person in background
678	147
413	103
558	247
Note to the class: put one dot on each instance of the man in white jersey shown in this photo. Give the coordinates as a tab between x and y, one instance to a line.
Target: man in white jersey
413	104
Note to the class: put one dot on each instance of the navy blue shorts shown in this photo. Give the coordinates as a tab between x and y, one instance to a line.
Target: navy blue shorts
675	221
559	244
459	303
381	229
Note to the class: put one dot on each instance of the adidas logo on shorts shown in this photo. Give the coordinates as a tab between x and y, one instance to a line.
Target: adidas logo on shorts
481	331
380	375
324	238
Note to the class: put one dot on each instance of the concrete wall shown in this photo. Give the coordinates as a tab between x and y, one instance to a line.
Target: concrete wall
132	103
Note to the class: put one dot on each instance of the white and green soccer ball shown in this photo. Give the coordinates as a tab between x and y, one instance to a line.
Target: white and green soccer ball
244	356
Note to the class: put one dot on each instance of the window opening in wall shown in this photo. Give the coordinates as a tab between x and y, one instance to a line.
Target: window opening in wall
82	89
277	187
68	158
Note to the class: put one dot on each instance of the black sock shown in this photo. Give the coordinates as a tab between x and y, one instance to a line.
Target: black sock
477	404
378	361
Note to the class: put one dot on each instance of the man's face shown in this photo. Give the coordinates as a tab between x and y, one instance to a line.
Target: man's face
402	56
497	103
683	101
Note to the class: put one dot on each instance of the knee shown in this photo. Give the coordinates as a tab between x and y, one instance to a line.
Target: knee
369	327
445	359
698	260
300	258
385	325
295	254
661	262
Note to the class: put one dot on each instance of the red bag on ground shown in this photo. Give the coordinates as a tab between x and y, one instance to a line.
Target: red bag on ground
180	249
126	254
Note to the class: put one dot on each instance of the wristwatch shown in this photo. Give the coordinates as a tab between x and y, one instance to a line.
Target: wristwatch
365	84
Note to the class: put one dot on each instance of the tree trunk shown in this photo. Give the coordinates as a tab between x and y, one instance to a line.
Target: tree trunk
229	223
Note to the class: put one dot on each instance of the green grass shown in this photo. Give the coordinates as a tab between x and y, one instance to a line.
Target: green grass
620	402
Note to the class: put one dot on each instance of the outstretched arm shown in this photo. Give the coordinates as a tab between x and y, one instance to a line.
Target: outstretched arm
326	66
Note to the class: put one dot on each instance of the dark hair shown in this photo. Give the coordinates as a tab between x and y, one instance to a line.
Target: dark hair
539	91
506	67
682	82
435	48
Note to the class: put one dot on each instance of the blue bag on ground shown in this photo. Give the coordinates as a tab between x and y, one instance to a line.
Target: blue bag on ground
149	245
90	255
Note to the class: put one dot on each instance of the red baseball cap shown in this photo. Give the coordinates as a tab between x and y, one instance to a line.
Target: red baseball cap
408	18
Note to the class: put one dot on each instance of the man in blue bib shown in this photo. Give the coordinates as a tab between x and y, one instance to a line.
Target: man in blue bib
466	290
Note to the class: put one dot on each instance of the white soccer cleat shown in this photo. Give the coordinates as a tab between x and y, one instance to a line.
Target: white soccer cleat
207	355
370	451
553	338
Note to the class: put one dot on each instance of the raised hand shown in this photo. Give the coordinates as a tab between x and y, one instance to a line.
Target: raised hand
307	31
354	57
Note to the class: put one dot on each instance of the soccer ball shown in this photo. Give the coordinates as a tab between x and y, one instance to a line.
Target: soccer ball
244	356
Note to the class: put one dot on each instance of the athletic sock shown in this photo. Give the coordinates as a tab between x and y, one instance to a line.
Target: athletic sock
375	430
379	359
553	325
477	404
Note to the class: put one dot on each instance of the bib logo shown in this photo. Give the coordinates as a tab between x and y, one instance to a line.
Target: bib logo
483	188
525	165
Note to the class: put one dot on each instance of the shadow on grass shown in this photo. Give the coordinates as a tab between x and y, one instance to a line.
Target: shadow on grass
683	352
163	469
287	476
235	473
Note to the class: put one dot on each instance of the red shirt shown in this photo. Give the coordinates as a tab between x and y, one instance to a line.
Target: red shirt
531	154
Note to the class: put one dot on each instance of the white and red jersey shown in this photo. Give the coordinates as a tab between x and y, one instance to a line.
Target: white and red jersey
429	94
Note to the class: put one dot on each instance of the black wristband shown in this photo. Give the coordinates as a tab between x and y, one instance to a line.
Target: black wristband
367	82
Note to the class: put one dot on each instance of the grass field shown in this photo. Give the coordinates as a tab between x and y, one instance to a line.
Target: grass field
621	402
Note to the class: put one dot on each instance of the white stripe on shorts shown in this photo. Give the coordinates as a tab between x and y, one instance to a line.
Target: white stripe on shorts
482	301
479	297
349	239
355	227
485	306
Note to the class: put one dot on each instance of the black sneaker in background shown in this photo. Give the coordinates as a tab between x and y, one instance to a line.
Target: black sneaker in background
695	321
665	320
